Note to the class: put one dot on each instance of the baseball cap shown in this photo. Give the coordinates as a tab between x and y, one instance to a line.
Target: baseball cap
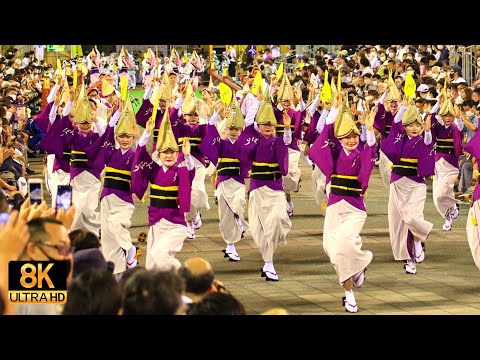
422	88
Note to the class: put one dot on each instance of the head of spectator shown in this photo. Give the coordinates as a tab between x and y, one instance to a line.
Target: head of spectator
93	292
465	92
199	279
476	95
455	73
153	292
83	239
468	108
419	104
49	241
218	304
90	258
422	90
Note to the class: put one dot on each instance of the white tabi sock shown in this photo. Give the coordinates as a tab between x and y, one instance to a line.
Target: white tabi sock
289	206
350	297
231	249
269	266
131	254
418	248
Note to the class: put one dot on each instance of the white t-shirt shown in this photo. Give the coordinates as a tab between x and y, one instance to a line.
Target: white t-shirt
40	51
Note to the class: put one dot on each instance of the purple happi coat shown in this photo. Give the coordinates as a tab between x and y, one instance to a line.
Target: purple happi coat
118	165
383	121
71	135
311	133
398	145
52	143
215	148
255	148
298	117
195	133
42	119
442	136
328	154
145	171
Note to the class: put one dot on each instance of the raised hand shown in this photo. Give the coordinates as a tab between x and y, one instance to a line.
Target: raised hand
369	119
14	236
186	147
66	217
220	109
338	101
298	94
287	120
149	126
427	123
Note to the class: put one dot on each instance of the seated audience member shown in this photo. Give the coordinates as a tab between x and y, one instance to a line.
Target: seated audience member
199	280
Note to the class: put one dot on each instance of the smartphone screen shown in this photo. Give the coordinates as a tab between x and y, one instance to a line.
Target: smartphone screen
64	197
35	192
4	217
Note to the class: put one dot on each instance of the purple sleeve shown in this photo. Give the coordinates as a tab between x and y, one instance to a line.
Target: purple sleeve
311	133
177	122
367	162
473	146
426	159
101	149
434	127
457	141
42	119
185	187
249	139
144	113
321	151
59	135
392	145
379	121
174	117
299	120
143	169
281	152
210	144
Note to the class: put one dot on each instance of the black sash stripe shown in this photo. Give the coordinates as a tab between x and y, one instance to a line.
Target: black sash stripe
118	175
67	156
116	184
387	129
164	203
345	186
406	168
444	146
79	160
228	168
264	172
169	193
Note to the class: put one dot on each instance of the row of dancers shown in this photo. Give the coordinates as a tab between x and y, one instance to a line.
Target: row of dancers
259	141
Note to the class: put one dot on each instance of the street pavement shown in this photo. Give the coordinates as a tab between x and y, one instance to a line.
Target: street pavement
447	282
